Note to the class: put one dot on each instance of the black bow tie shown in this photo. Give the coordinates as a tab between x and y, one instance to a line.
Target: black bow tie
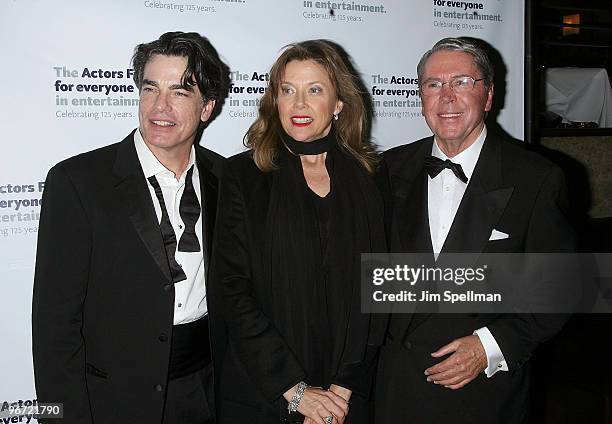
189	209
435	165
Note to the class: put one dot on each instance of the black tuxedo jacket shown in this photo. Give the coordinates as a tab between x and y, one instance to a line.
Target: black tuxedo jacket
511	190
103	298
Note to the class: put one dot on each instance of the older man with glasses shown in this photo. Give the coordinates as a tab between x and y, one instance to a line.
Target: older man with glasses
465	191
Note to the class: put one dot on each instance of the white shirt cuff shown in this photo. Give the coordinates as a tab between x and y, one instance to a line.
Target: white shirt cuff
495	357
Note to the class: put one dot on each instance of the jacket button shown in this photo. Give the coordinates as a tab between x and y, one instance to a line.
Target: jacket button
407	344
163	338
159	388
167	287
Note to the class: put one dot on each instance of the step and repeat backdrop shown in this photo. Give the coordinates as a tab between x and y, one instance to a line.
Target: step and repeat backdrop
67	88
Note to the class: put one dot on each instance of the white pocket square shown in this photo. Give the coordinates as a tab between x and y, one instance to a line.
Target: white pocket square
497	235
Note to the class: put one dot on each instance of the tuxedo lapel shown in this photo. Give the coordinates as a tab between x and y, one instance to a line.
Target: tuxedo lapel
480	209
411	220
409	190
208	189
410	214
482	205
132	190
418	235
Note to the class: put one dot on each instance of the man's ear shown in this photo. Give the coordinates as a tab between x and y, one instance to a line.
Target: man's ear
489	102
207	110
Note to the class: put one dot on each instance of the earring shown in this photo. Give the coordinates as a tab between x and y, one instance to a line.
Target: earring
335	116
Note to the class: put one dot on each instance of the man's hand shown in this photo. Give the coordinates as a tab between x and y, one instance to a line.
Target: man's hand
468	359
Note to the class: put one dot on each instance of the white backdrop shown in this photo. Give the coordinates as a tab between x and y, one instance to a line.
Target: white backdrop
53	52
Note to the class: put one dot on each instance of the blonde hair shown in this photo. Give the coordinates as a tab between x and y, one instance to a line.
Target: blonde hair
351	126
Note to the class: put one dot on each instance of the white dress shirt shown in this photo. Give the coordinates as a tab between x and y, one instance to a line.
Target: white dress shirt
444	194
189	294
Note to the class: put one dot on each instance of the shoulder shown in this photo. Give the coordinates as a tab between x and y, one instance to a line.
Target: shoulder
87	164
241	178
212	159
406	153
523	163
242	167
241	160
405	150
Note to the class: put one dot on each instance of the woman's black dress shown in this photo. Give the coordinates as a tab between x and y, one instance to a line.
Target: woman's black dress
285	287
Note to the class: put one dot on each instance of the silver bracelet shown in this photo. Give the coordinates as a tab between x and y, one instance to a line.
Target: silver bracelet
297	397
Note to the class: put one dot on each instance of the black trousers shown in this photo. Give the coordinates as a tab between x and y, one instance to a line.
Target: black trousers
189	399
403	395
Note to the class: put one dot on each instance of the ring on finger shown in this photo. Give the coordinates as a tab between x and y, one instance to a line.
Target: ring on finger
329	420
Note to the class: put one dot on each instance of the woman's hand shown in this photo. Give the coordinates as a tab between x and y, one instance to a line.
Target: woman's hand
341	391
344	394
317	403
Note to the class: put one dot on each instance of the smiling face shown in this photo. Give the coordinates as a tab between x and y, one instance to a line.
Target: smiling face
306	101
455	119
170	113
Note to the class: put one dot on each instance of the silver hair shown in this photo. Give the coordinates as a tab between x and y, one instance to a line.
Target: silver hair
465	45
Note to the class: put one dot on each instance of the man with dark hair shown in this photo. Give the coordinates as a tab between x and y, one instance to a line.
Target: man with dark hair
465	191
119	314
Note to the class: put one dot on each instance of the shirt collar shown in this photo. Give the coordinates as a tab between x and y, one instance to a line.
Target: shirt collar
150	164
467	158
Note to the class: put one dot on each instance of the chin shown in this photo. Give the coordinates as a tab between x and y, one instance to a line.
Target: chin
160	141
449	134
302	138
298	135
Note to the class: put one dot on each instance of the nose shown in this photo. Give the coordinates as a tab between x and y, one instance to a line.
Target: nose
300	100
161	102
447	94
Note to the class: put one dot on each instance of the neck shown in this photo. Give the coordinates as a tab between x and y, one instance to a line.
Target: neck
175	159
452	148
313	160
308	148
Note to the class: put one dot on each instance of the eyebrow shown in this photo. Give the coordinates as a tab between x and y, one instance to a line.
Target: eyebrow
181	87
454	76
308	83
172	87
149	82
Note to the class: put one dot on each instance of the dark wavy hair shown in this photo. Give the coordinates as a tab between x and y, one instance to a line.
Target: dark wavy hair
352	125
205	69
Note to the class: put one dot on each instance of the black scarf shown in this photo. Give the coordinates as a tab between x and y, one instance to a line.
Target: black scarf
310	294
315	147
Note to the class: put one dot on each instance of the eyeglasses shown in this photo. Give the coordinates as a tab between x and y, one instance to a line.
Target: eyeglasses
458	85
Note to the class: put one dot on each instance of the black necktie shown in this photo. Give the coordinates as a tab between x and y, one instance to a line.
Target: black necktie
435	165
189	208
167	234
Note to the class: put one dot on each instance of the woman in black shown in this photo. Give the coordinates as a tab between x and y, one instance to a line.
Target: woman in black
295	212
